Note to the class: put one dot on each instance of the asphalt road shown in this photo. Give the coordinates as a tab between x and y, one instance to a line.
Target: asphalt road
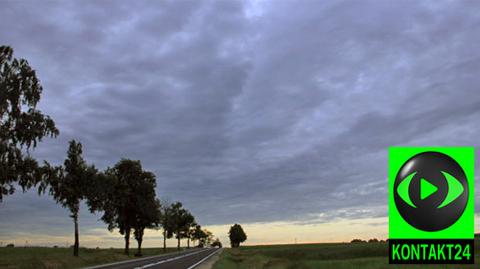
181	260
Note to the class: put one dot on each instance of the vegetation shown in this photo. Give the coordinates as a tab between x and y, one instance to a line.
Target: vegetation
317	256
61	258
128	200
217	243
125	193
22	125
182	221
236	235
166	222
71	184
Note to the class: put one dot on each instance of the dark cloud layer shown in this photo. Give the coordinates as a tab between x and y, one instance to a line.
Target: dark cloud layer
249	111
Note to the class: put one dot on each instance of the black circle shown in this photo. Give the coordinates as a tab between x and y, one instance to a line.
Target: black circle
426	215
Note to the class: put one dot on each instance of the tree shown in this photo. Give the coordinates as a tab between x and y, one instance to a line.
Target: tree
166	222
189	232
72	183
148	216
217	243
182	220
237	235
123	192
206	238
22	125
197	234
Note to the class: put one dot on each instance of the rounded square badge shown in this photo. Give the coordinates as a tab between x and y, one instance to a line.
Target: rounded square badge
431	197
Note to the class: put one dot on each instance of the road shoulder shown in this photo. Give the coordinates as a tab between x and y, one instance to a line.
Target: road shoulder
208	264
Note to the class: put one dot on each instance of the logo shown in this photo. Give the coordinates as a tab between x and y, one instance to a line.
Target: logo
431	191
431	199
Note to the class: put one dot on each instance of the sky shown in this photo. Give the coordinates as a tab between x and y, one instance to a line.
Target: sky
276	115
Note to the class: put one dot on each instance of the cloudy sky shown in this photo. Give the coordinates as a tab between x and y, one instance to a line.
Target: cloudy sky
274	114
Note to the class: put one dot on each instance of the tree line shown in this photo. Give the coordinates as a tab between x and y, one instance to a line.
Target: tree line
124	194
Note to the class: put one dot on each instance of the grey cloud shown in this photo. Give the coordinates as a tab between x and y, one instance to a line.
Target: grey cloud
251	112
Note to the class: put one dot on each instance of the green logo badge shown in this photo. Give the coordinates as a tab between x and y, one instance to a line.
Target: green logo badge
431	198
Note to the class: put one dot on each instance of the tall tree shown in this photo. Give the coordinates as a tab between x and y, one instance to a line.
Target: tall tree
22	125
166	222
182	220
189	232
72	184
237	235
122	197
148	216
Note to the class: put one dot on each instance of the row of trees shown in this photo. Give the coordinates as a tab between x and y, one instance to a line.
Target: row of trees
124	193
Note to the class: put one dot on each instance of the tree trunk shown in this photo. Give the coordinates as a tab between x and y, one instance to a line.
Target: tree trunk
178	244
127	241
76	244
164	241
139	250
188	242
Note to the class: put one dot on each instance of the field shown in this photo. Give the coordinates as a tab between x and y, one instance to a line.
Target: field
317	256
61	258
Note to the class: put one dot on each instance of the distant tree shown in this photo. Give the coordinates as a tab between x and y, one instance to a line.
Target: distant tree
120	196
22	125
10	245
189	232
357	241
217	243
206	238
72	184
166	222
197	234
236	235
373	240
182	221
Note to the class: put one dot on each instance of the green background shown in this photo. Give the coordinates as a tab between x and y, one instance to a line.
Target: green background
464	227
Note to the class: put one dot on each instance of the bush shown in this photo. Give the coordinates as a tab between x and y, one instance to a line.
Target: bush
10	246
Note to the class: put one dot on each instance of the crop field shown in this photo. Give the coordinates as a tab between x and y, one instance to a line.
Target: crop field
315	256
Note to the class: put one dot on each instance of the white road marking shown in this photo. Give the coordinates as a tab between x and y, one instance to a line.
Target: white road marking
171	259
204	259
130	261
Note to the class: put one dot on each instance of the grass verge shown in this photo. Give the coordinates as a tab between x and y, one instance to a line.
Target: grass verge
61	258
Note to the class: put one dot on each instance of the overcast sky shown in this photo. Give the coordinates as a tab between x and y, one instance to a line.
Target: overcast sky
247	111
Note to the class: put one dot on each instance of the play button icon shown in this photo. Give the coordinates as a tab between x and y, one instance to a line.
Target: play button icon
426	189
431	191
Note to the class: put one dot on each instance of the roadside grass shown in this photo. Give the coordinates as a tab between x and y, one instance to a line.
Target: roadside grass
61	258
317	256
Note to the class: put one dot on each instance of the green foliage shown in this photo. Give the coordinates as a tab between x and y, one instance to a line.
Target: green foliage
72	183
182	220
166	222
236	235
22	125
74	180
126	195
148	216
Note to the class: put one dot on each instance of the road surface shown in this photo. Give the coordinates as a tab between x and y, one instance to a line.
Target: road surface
179	260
